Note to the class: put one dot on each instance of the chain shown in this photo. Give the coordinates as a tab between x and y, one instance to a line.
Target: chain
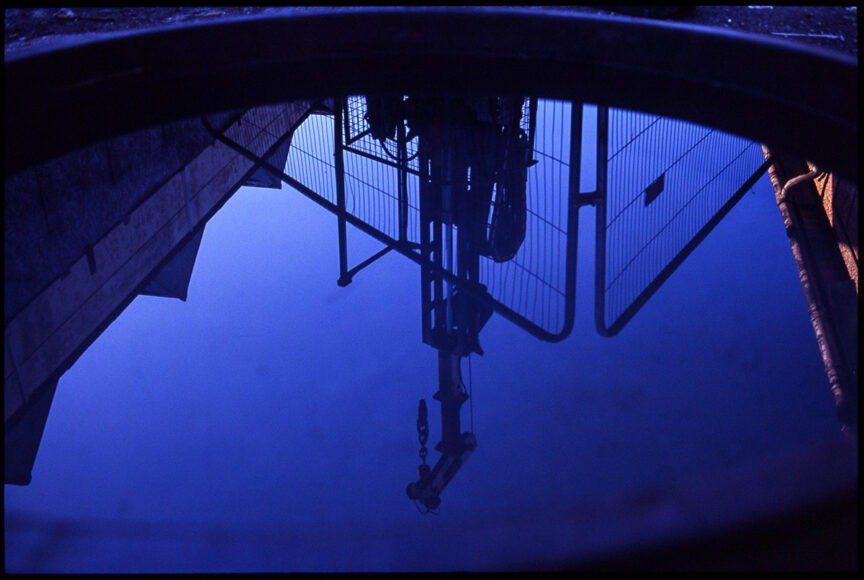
422	435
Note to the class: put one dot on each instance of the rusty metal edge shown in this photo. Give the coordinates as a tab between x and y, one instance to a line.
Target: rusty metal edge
820	269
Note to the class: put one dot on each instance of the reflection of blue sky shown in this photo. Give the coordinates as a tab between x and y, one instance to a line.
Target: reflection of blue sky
274	397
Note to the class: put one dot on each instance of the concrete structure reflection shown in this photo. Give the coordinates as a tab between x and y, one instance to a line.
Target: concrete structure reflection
89	231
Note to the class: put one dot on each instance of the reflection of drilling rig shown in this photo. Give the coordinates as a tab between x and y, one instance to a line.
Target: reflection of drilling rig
481	193
473	160
459	169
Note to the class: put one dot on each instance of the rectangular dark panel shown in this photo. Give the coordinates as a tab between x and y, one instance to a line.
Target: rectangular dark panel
655	189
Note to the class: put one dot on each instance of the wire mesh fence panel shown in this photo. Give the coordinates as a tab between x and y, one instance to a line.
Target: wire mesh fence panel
668	183
310	158
533	283
372	175
359	139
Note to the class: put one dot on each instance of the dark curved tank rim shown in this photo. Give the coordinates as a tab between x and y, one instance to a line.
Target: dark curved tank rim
801	100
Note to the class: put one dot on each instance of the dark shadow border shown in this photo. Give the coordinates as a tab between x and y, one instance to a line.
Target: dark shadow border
800	100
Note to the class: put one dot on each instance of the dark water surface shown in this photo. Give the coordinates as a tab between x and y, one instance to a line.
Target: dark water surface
269	422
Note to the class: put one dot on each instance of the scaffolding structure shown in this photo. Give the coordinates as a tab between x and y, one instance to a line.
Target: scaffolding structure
381	187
